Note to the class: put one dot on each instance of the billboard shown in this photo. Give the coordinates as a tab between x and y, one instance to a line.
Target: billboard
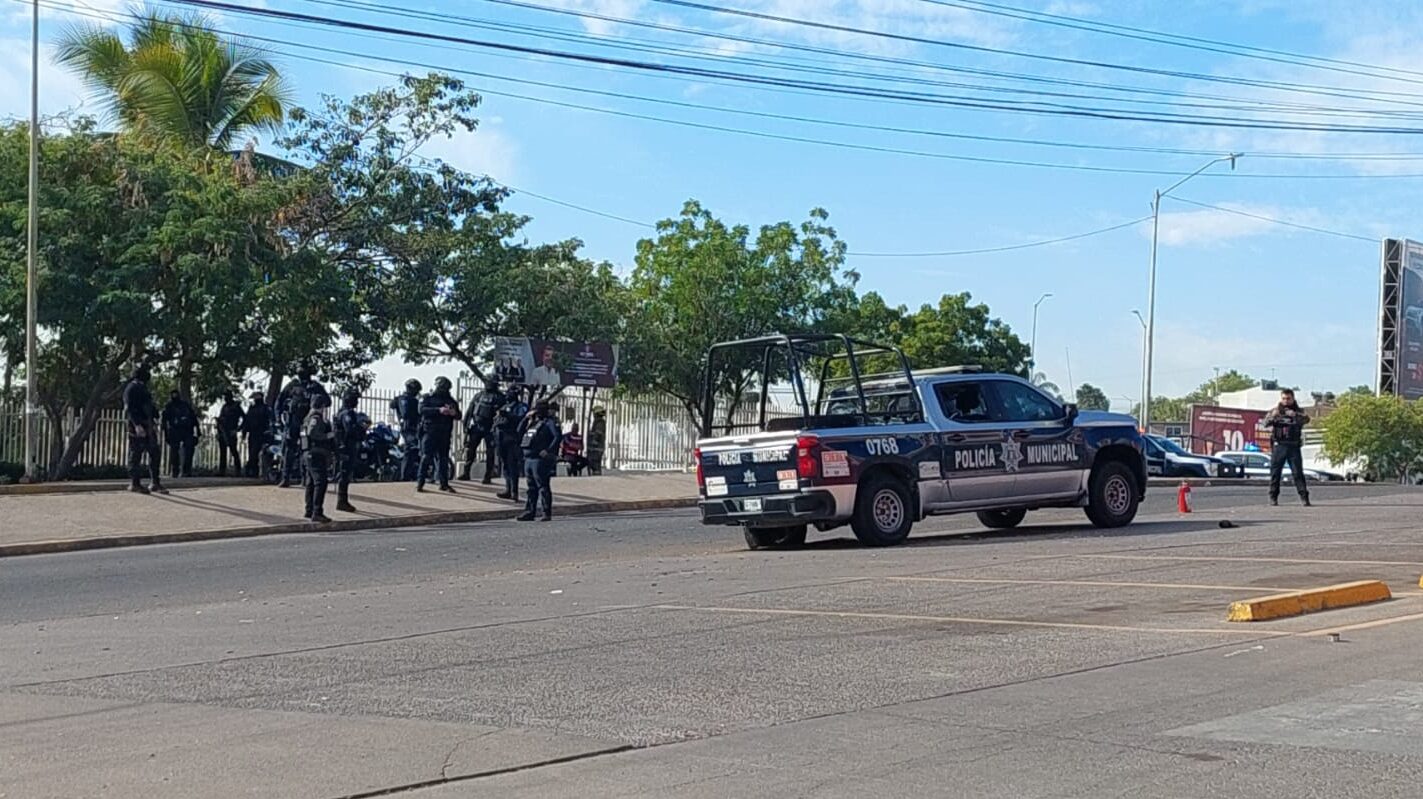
1400	349
544	362
1216	429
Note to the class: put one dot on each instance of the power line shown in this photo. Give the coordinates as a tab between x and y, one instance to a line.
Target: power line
1084	112
1272	220
1028	245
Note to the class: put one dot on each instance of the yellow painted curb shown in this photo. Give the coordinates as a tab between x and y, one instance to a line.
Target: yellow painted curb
1296	603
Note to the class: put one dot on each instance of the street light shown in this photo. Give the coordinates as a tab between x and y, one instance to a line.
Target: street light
1142	319
1151	285
1033	347
32	454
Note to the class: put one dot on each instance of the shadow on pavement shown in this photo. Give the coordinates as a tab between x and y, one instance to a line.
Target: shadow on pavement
1037	532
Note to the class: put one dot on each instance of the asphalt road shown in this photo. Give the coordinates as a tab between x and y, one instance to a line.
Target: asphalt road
646	655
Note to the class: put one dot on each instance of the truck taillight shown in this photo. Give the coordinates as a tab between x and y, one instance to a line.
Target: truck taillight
807	461
697	456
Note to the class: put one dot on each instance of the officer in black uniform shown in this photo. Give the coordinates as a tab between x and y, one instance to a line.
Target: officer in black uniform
318	445
407	409
1286	422
479	429
180	430
257	425
141	418
540	446
438	411
349	435
293	417
229	424
508	432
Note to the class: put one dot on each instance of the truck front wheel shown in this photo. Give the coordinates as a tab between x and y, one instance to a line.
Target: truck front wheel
1111	495
883	512
780	537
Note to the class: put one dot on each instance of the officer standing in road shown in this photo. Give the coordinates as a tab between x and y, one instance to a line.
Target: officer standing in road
597	441
540	446
406	408
508	433
141	416
438	411
318	444
297	408
349	435
257	427
180	430
1286	422
229	424
479	430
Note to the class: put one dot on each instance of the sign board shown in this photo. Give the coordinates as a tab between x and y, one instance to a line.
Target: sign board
1410	328
1216	429
544	362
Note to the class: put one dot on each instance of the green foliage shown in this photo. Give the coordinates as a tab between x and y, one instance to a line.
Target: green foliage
176	80
1091	398
1357	391
1385	432
956	331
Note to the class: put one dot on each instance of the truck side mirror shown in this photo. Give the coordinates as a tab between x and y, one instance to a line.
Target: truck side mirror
1071	414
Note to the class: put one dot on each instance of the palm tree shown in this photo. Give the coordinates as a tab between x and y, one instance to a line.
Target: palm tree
1040	380
177	80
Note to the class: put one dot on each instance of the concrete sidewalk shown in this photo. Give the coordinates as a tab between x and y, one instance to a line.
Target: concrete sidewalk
35	524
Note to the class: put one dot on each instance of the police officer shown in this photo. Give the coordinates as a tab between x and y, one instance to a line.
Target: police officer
479	429
257	426
293	418
318	445
141	418
508	433
597	441
540	446
349	435
180	430
438	412
229	424
406	408
1286	422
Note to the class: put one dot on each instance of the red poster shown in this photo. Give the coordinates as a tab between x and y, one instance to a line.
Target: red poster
1215	429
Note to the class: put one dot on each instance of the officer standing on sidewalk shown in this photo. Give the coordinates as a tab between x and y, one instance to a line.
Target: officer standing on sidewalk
1286	422
438	412
349	435
180	430
141	418
479	431
318	443
297	407
406	408
540	446
257	426
229	423
507	436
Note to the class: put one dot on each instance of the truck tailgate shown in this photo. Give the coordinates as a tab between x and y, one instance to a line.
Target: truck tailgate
753	466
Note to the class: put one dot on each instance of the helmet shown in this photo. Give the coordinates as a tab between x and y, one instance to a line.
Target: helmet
320	401
142	373
351	397
257	395
442	384
491	385
304	370
600	411
413	386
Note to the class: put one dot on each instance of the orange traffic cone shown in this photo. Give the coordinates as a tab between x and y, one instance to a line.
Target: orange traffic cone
1183	497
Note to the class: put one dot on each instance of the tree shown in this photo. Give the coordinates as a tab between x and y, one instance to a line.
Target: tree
1356	391
177	80
955	331
701	281
1166	409
1091	398
1040	379
1209	392
1384	432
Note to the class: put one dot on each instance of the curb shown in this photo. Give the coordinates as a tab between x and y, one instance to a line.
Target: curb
81	487
1297	603
343	525
1254	482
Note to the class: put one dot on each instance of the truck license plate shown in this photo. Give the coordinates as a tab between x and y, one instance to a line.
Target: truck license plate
752	506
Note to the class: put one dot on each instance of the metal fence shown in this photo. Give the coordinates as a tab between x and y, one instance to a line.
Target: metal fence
647	433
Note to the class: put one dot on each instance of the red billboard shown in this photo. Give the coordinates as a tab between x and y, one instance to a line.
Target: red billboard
1216	429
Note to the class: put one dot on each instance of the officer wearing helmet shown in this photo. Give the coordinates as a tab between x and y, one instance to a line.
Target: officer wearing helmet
540	443
318	446
406	408
479	429
229	424
350	432
292	406
257	425
141	419
439	411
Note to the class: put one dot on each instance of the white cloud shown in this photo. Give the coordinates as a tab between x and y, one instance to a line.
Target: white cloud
487	151
1211	227
624	9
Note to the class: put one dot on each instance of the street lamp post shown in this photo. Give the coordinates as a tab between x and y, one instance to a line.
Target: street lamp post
1151	282
32	471
1142	319
1033	346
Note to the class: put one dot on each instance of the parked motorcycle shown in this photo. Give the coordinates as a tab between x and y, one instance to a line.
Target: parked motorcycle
380	454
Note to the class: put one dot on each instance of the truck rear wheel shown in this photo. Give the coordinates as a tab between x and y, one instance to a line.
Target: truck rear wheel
1002	519
1111	495
883	512
778	537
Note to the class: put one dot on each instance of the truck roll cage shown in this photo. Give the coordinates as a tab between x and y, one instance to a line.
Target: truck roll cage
841	400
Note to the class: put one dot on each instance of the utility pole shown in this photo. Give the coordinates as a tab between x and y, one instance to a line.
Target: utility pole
32	449
1033	347
1215	387
1151	282
1142	319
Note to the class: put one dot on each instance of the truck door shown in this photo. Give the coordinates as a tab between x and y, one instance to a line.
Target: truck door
972	444
1048	450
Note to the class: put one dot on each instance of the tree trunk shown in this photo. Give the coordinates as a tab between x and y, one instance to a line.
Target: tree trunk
274	385
104	391
185	376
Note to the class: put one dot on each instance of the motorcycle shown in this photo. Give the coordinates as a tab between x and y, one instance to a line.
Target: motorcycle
380	455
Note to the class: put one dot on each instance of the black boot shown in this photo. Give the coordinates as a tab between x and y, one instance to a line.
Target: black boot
345	507
1305	500
137	488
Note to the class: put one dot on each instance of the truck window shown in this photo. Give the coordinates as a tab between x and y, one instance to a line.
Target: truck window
1020	403
963	402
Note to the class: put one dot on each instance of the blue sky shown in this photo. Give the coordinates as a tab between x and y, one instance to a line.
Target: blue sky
1233	291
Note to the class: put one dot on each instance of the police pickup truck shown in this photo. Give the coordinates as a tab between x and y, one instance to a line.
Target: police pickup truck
881	451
